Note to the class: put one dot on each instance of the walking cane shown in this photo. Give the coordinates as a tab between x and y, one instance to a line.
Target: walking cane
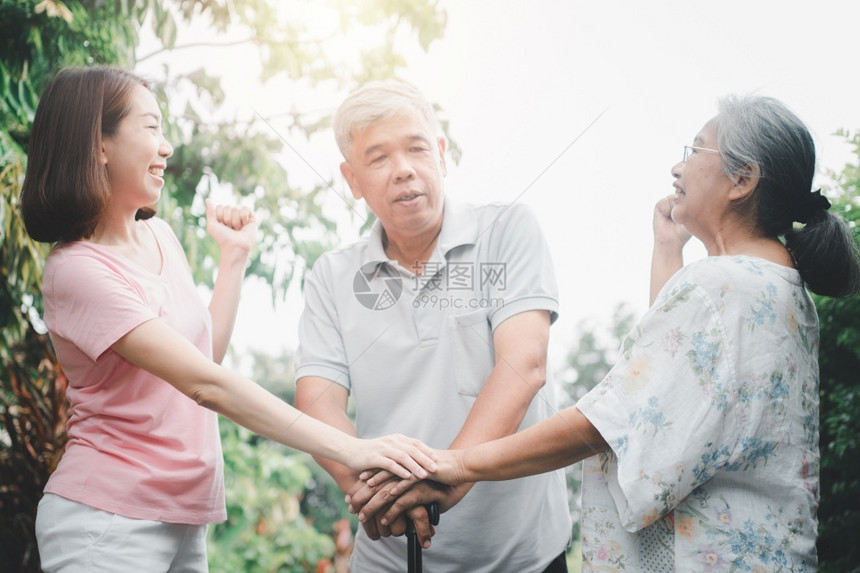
413	557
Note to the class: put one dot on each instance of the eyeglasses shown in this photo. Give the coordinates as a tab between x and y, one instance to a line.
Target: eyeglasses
688	150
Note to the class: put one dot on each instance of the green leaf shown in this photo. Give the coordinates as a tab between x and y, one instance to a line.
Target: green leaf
4	82
166	29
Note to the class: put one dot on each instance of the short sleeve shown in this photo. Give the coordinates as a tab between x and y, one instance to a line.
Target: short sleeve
520	270
665	408
321	350
91	304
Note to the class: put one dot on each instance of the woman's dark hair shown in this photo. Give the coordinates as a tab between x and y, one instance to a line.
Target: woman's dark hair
756	133
66	187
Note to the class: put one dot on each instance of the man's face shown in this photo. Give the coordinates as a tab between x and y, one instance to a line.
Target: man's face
396	165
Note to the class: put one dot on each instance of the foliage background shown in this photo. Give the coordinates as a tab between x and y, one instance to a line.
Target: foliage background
839	362
270	528
284	511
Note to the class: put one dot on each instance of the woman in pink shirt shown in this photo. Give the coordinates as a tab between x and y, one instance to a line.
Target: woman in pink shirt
142	474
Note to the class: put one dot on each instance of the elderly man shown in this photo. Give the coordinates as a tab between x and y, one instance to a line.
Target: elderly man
437	325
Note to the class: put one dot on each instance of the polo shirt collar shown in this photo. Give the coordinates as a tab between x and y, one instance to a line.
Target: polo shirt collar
375	253
459	227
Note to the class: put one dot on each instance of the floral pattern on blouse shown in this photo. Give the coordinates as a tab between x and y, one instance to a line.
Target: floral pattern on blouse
711	414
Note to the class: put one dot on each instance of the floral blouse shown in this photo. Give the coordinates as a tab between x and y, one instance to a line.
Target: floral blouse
711	414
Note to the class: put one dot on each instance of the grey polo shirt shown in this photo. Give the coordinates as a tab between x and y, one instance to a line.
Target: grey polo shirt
414	352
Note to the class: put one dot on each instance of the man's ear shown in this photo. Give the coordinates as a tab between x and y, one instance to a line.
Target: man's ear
443	144
349	175
746	182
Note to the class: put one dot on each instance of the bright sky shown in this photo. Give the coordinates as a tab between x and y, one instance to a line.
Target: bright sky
522	81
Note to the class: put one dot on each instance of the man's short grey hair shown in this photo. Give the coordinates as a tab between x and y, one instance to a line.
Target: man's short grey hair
376	101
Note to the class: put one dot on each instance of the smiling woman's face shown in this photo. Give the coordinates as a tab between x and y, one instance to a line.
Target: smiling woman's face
136	155
701	186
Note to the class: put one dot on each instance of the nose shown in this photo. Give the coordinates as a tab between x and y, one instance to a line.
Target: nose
403	170
677	169
165	150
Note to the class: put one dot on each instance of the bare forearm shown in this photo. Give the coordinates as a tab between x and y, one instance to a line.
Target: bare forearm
255	408
158	349
342	475
499	409
497	412
665	261
558	441
313	398
161	351
520	344
224	305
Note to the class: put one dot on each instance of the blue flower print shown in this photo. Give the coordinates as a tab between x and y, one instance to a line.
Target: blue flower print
764	314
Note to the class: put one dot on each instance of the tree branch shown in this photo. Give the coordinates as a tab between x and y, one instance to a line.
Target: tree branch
234	43
196	45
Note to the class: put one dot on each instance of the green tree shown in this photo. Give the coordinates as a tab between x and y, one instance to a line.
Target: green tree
212	150
281	506
594	352
321	501
265	529
839	362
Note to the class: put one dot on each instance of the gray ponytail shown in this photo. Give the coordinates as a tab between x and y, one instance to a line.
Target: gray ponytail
760	131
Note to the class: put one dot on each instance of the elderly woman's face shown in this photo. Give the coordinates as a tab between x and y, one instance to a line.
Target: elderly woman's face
701	186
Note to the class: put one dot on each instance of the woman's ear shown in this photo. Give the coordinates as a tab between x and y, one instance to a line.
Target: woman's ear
746	182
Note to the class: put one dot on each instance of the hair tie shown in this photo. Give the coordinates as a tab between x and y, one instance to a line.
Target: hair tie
810	206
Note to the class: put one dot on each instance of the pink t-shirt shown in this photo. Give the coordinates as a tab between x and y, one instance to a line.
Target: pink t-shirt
137	446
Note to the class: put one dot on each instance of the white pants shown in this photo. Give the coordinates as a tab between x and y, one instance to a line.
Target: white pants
77	538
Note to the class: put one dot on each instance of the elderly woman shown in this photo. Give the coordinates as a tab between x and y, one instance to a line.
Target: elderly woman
702	442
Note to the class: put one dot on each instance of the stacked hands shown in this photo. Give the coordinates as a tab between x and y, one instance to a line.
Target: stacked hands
383	498
399	486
